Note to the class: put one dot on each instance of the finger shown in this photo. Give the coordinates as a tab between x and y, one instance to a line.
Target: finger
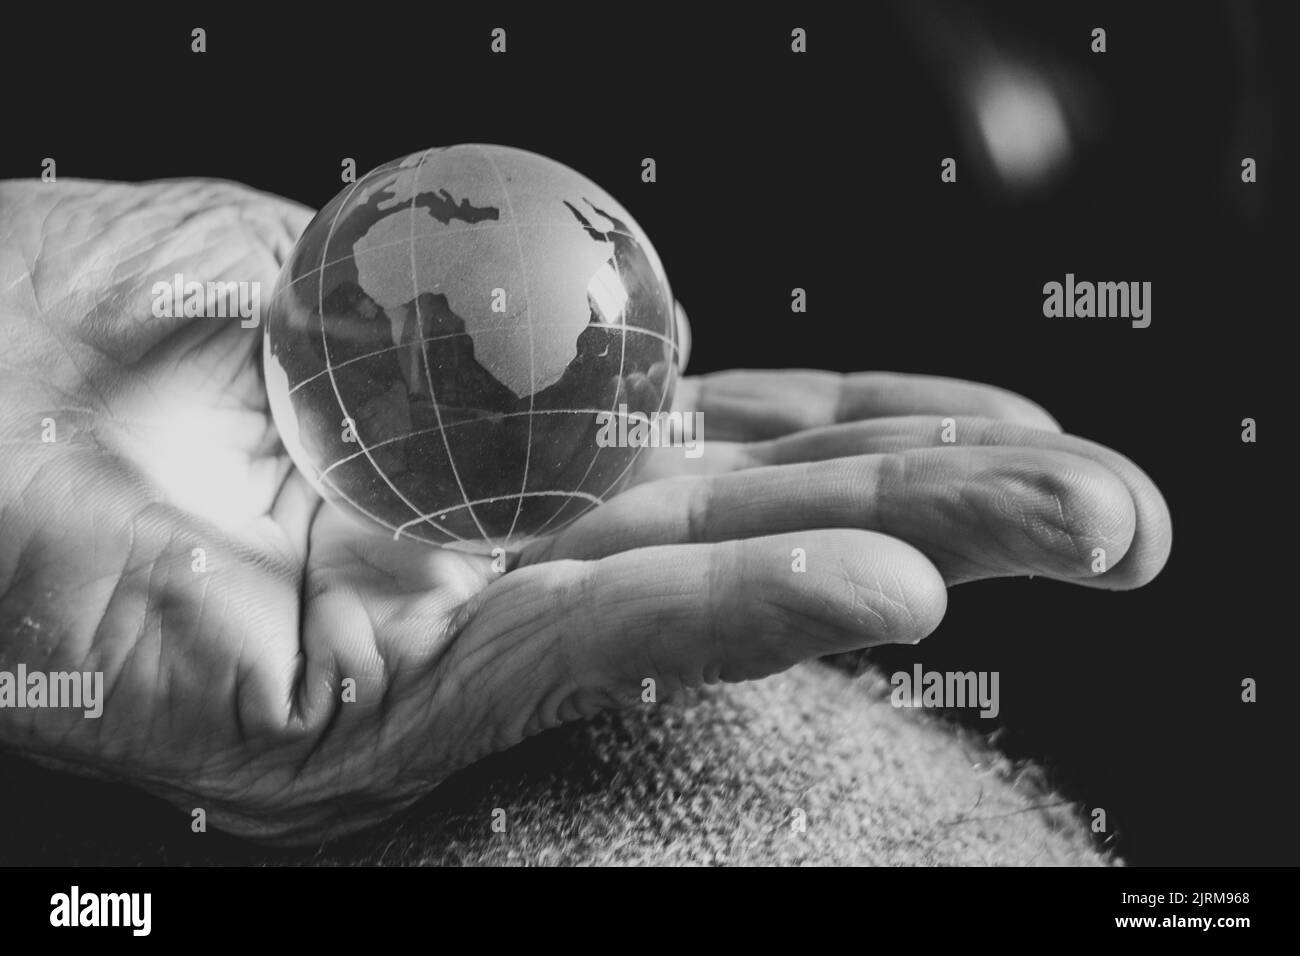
1153	530
975	512
561	640
756	405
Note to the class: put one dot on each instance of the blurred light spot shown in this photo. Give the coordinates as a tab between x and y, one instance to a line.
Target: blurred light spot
1023	125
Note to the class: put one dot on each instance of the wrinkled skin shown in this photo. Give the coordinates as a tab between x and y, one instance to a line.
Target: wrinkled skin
223	675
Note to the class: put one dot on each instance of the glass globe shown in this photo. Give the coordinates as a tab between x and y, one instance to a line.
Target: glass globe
451	335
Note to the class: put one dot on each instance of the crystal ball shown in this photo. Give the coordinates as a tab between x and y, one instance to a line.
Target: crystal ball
452	334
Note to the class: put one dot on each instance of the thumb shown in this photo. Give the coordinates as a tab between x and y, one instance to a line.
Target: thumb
562	640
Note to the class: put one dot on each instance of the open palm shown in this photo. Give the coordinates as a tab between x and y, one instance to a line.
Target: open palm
152	528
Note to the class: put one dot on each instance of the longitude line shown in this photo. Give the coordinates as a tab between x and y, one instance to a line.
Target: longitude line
428	370
532	362
618	382
338	396
668	371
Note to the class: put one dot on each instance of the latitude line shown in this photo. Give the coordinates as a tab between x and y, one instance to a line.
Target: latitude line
473	421
428	235
635	329
424	350
368	513
496	498
338	396
532	361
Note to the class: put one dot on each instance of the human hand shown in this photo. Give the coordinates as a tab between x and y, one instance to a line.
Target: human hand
223	675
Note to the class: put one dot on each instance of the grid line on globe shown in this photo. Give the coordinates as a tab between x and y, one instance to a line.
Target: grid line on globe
411	392
449	233
343	408
390	348
433	394
329	368
532	363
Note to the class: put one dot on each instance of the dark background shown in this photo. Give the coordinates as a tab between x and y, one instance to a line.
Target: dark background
822	171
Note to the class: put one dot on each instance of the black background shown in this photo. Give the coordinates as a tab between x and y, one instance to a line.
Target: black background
822	171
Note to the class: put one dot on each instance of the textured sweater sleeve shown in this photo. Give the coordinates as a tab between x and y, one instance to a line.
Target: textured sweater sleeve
808	767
